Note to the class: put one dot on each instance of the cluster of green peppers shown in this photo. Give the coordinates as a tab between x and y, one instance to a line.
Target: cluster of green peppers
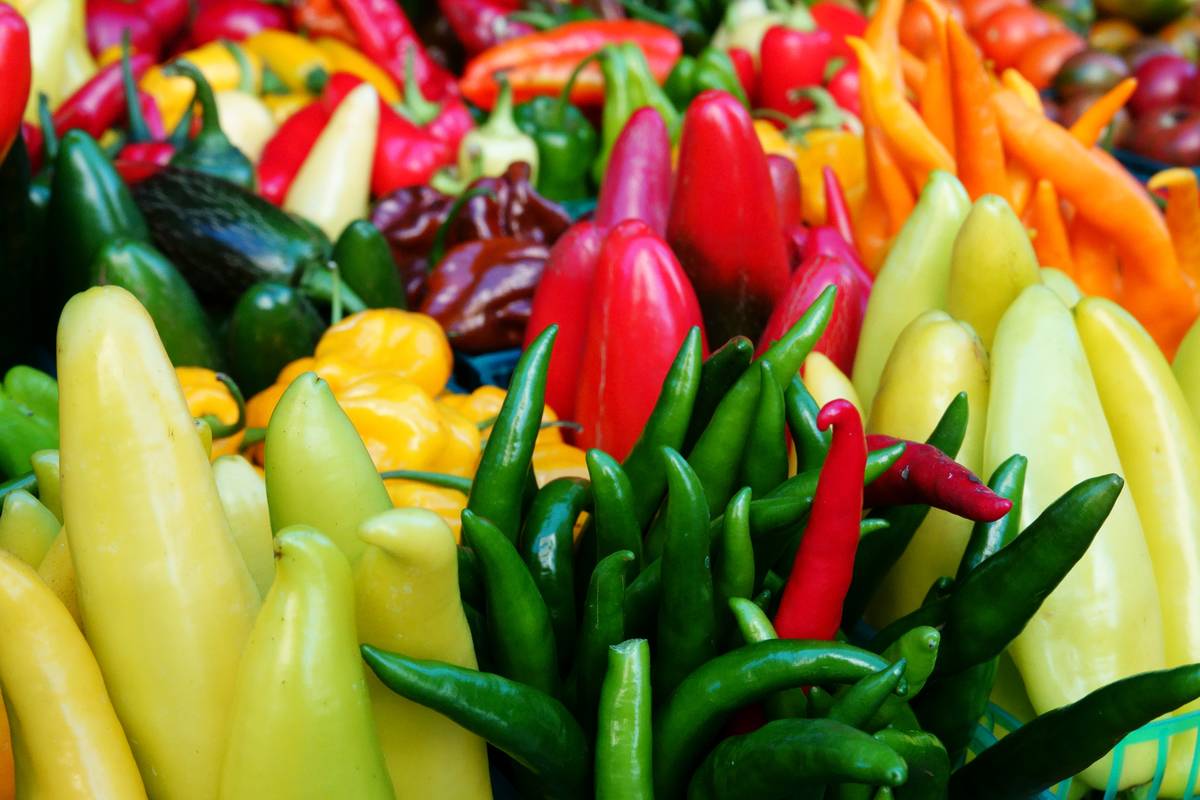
614	665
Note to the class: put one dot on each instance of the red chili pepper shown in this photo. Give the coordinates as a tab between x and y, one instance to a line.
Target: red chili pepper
785	180
100	103
637	183
792	59
385	36
107	21
18	72
837	211
925	475
32	135
235	20
286	150
480	24
157	153
541	63
563	296
811	606
167	16
841	22
322	18
642	308
147	137
724	224
747	73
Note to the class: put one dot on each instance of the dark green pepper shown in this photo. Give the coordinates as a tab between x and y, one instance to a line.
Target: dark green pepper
567	144
614	523
712	69
365	263
602	626
210	151
765	460
272	325
718	374
146	273
928	764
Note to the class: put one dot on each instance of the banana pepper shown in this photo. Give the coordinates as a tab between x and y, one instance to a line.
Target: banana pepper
27	528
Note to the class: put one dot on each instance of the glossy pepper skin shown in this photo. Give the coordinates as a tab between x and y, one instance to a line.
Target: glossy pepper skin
100	103
480	24
566	143
712	68
15	61
28	418
366	265
792	59
104	332
287	149
386	36
734	254
637	182
629	85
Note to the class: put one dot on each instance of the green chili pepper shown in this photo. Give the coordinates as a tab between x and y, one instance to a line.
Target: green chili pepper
931	614
988	538
733	561
928	764
686	617
858	704
765	460
271	326
520	635
919	649
602	626
666	427
755	626
478	626
623	744
1067	740
470	577
711	69
566	143
693	715
642	598
365	263
532	727
547	544
89	205
812	443
628	86
615	523
718	374
507	457
210	150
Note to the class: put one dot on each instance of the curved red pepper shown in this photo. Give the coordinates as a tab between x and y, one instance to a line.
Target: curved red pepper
235	20
837	211
18	74
286	150
107	21
724	224
642	308
924	475
637	183
385	35
100	103
785	181
811	606
480	24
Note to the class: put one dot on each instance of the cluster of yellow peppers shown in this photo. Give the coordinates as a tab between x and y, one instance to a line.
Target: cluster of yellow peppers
1077	385
388	370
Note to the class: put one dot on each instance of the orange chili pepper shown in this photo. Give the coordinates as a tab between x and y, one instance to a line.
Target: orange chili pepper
917	149
913	69
1016	82
1052	244
1183	216
885	176
980	151
871	232
935	93
1096	269
883	36
322	18
1091	123
1020	187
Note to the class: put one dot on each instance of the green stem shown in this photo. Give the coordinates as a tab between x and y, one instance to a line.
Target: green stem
210	119
46	120
139	131
26	482
221	430
564	97
415	107
441	479
438	250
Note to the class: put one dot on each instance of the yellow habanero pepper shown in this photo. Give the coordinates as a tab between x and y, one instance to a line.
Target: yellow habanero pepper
410	345
446	503
168	611
205	395
344	58
398	422
226	65
27	528
67	742
841	150
407	601
300	64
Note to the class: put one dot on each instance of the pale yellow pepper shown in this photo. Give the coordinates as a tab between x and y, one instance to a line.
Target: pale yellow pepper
49	477
243	495
1158	442
407	601
49	29
301	724
283	106
27	528
825	382
57	571
1186	367
168	611
1061	284
78	64
246	120
935	358
67	742
1103	622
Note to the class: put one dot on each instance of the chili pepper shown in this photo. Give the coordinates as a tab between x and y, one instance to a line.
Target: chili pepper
299	63
811	606
733	560
602	626
686	621
810	441
764	462
792	58
712	68
692	716
386	36
1066	740
270	326
925	475
109	21
616	526
90	201
488	150
547	544
637	181
15	58
226	65
504	466
719	372
365	262
529	725
980	153
98	104
235	20
210	151
861	701
101	329
566	145
541	63
322	18
736	260
623	743
785	182
1183	210
481	24
920	262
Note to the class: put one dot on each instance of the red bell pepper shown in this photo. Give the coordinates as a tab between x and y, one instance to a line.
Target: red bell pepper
286	150
792	59
747	73
563	296
637	183
642	307
480	24
811	606
235	20
724	224
100	103
18	74
785	180
841	22
108	20
924	475
385	36
541	63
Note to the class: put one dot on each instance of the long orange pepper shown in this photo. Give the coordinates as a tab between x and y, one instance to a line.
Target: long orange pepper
912	69
886	175
1109	198
1096	269
917	148
1092	122
883	36
1183	216
935	93
980	151
1052	244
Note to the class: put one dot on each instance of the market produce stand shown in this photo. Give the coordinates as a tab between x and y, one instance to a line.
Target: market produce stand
657	398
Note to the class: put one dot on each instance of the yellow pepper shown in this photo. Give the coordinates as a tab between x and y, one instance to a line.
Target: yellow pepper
205	395
244	499
462	445
1186	366
67	740
225	65
446	503
301	723
300	64
168	611
78	64
49	29
410	345
49	479
57	571
344	58
399	423
1061	284
407	601
27	528
826	382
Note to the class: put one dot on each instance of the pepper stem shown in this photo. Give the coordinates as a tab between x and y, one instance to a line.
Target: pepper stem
438	250
414	106
183	130
139	131
826	114
210	121
501	121
564	97
221	430
49	134
335	299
